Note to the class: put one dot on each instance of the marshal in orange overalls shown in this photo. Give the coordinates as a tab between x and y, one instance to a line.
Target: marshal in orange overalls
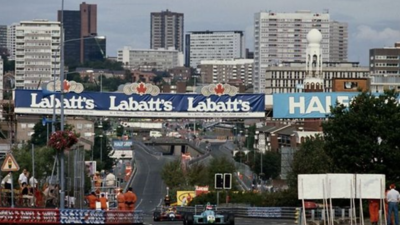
121	201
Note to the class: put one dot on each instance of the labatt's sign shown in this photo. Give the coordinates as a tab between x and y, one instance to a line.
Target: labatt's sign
143	100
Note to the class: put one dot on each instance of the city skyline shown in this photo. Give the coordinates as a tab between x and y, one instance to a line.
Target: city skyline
372	24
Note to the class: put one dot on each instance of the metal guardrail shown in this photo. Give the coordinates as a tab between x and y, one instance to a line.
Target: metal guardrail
285	213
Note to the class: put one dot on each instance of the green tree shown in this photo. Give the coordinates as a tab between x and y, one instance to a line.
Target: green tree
173	175
311	158
44	160
271	164
75	77
365	137
197	174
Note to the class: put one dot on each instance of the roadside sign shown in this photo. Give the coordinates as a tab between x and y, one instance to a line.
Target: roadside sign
9	164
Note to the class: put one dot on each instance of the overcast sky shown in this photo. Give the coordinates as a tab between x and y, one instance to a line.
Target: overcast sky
372	23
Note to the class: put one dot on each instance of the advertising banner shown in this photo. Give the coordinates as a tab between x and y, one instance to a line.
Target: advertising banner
122	144
184	197
137	105
308	105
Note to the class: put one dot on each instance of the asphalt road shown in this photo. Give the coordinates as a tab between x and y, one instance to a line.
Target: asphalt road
238	221
147	183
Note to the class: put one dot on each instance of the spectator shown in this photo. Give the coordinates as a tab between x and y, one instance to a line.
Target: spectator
23	178
92	199
110	180
121	200
130	200
27	195
97	179
103	202
7	181
33	182
393	198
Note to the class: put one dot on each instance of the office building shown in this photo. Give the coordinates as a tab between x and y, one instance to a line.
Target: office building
312	75
385	60
1	85
3	36
149	59
166	30
37	53
281	37
72	30
209	45
225	70
78	25
338	41
94	49
11	41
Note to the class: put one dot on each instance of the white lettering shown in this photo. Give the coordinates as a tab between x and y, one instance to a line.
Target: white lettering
210	106
293	105
132	105
73	103
315	105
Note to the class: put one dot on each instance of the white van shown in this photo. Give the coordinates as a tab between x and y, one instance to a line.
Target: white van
155	133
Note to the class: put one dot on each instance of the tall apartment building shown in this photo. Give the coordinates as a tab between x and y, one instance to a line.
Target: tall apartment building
148	59
338	41
3	36
79	24
224	70
37	52
280	37
166	30
209	45
385	60
11	41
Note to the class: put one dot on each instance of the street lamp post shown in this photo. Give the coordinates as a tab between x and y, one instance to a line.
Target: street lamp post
62	42
62	184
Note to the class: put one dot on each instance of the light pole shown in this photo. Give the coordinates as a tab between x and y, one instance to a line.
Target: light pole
101	140
101	81
62	42
62	184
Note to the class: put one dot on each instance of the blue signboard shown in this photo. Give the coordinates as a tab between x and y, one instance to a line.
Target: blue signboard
135	105
122	145
308	105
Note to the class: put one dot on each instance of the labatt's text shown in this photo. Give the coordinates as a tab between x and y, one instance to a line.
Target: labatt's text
132	105
76	102
209	106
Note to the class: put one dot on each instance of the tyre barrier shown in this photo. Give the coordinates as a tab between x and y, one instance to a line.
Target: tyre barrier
68	216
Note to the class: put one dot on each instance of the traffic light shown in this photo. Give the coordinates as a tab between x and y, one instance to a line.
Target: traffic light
219	181
227	180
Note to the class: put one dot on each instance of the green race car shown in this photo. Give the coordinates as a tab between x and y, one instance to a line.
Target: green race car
209	216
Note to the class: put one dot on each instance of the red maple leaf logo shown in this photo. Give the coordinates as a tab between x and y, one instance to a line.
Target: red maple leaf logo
141	89
66	86
219	90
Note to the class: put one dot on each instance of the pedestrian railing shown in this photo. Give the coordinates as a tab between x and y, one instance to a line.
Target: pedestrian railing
68	216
